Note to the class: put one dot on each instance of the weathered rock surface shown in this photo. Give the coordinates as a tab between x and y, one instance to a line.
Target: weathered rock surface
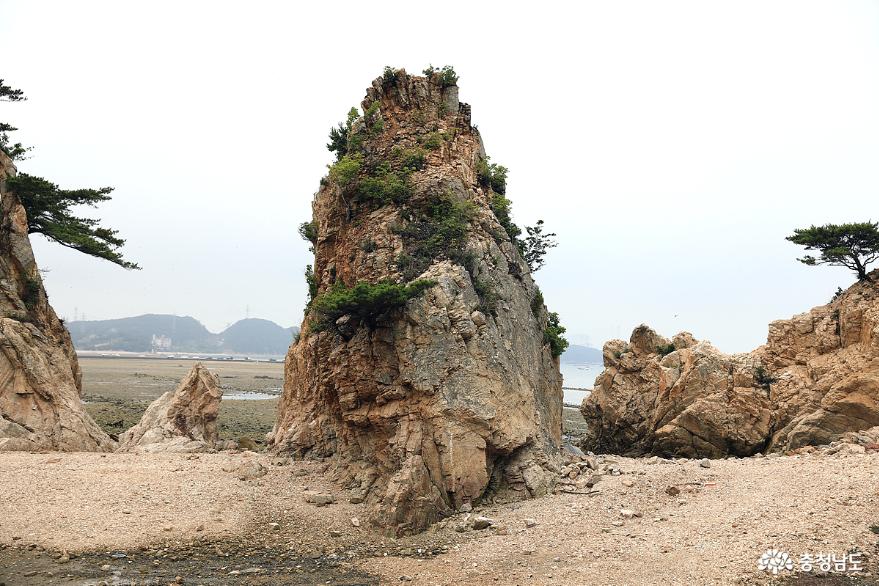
815	380
456	391
182	420
40	381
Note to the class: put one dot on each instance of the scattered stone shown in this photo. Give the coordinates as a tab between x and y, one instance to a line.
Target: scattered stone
482	523
673	491
355	521
465	508
320	499
705	463
629	513
530	523
627	482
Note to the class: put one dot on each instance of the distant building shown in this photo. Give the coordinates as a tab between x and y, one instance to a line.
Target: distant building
160	343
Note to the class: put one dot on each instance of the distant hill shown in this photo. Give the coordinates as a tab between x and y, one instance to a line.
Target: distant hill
582	355
171	333
256	336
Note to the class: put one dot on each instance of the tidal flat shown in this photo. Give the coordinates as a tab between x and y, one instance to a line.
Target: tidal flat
117	391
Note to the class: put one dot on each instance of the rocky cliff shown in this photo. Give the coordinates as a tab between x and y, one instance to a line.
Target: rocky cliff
450	392
815	380
40	386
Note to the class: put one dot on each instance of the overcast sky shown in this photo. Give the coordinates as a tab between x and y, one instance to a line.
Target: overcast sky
671	145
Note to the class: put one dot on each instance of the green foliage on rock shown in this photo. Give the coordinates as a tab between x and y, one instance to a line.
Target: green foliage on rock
536	245
364	302
502	208
445	75
14	151
339	135
434	140
763	378
382	183
854	246
537	302
48	213
489	175
389	75
436	229
345	170
665	349
553	335
30	293
311	281
308	231
488	297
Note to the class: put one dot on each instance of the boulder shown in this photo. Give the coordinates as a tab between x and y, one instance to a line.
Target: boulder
182	420
40	381
814	381
425	406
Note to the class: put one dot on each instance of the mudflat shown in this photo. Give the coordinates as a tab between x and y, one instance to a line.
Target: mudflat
118	390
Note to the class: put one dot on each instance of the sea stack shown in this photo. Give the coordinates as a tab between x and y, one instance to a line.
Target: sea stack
422	369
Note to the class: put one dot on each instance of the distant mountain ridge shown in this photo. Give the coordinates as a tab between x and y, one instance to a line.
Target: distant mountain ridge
171	333
582	355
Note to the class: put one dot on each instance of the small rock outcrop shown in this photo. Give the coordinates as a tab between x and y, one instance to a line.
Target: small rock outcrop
182	420
40	382
815	380
429	404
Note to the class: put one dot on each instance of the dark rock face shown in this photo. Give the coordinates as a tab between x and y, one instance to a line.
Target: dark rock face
40	381
454	392
815	380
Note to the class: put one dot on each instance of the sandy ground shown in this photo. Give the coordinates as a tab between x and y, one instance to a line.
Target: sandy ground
713	532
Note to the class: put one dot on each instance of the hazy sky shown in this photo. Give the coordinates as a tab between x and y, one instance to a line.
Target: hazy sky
671	145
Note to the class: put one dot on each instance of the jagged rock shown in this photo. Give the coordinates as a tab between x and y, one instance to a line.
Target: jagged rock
40	381
423	408
182	420
815	380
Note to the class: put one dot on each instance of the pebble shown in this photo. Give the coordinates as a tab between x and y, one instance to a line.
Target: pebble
319	498
628	482
465	508
355	521
530	523
705	463
629	513
482	523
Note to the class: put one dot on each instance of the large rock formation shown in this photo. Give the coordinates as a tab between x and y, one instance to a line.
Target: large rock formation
816	379
40	382
182	420
426	406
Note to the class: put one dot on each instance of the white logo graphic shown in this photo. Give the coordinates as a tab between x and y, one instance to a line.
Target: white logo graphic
775	561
